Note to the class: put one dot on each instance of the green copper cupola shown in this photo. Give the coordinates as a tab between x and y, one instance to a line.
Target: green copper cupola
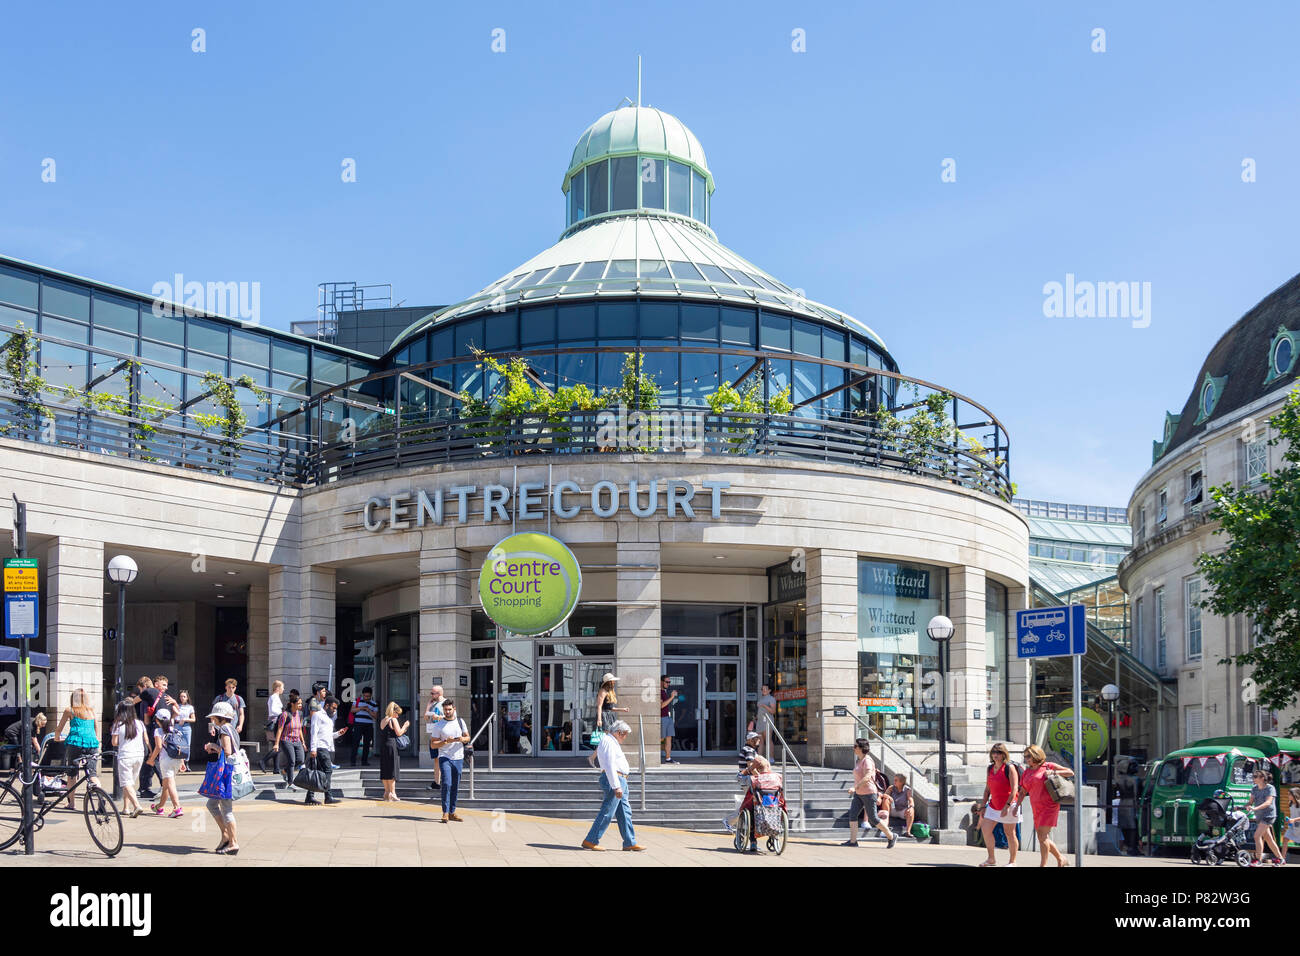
637	160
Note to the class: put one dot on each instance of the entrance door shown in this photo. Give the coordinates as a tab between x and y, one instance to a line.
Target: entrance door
721	696
688	715
566	703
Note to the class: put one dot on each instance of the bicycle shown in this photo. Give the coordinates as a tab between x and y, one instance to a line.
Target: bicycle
102	818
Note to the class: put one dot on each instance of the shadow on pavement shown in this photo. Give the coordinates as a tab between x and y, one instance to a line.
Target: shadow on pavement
558	846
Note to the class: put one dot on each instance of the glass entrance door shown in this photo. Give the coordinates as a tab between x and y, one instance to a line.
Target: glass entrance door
687	714
707	709
721	696
566	703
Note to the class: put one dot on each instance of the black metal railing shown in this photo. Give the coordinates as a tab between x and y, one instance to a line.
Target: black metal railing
370	426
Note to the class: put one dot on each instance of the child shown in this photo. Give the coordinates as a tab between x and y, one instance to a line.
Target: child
167	764
1292	832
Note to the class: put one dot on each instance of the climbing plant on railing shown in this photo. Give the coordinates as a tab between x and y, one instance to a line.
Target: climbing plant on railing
746	400
23	370
232	421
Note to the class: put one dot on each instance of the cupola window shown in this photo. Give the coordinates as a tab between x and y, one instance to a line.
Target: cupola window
1211	392
1282	353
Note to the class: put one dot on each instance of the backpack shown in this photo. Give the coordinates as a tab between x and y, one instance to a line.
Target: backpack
174	744
1020	769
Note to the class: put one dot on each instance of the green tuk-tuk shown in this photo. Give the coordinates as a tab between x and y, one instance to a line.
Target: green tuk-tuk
1176	785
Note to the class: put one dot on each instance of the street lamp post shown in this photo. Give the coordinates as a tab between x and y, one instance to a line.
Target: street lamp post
121	571
1110	694
941	630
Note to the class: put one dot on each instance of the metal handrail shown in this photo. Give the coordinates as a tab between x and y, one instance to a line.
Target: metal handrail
787	752
640	719
490	722
890	747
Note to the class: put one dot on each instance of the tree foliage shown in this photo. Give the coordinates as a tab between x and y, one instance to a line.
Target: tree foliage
1258	573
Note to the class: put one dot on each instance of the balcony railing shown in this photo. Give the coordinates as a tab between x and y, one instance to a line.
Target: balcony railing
360	428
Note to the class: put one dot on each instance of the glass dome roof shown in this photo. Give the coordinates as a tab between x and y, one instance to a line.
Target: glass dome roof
638	129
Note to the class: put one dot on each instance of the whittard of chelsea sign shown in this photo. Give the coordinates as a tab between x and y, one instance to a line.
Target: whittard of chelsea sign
529	583
531	500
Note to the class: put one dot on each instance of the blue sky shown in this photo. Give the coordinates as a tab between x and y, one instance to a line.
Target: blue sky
1115	166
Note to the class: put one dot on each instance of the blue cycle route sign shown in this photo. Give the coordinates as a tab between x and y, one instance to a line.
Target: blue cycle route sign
1052	631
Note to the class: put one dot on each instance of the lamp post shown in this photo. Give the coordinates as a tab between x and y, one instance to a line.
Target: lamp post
121	571
1110	694
941	630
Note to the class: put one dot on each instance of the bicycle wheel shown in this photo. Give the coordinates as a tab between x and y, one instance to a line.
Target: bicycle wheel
103	821
11	816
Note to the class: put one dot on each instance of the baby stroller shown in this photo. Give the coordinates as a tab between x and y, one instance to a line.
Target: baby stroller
763	813
1231	844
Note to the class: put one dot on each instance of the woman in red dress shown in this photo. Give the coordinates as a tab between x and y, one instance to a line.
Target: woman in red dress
1033	783
1002	781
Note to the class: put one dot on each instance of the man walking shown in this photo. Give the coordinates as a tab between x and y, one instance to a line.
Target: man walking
364	714
323	736
613	785
432	714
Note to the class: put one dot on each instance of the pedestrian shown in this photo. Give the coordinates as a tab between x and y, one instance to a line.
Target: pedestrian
166	757
390	728
236	704
144	700
365	712
745	763
902	808
83	734
1001	781
607	709
1263	803
129	742
323	736
14	738
433	714
450	735
1033	783
222	727
865	795
274	708
184	718
1292	832
667	727
765	713
290	741
613	786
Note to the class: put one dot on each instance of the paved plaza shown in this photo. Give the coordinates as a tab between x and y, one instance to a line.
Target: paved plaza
368	833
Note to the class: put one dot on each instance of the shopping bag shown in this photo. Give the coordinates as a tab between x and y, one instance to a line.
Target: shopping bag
216	779
312	781
241	779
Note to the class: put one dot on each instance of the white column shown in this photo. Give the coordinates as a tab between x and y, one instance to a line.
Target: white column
258	646
74	622
967	678
832	651
444	638
300	625
639	648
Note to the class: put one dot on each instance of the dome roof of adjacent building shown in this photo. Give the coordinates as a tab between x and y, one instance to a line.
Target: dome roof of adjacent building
1253	359
638	129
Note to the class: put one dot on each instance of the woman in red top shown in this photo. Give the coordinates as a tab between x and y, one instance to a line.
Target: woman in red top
1034	784
1001	783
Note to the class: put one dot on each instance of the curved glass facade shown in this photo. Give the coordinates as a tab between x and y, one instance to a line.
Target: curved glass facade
629	183
684	378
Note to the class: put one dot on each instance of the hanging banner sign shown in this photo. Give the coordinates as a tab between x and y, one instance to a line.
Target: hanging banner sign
529	583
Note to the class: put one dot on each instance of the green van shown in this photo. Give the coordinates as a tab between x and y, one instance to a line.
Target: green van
1177	784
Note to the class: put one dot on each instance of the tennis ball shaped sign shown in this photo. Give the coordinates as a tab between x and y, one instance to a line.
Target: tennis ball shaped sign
529	583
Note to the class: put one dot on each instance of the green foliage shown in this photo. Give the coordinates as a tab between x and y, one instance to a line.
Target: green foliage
23	369
520	399
746	400
1258	573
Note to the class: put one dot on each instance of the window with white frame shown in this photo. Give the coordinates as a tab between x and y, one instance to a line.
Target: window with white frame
1256	460
1162	507
1195	492
1160	628
1139	642
1192	615
1142	524
1266	721
1192	722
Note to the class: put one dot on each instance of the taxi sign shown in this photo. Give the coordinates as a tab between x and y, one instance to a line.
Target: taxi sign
20	575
